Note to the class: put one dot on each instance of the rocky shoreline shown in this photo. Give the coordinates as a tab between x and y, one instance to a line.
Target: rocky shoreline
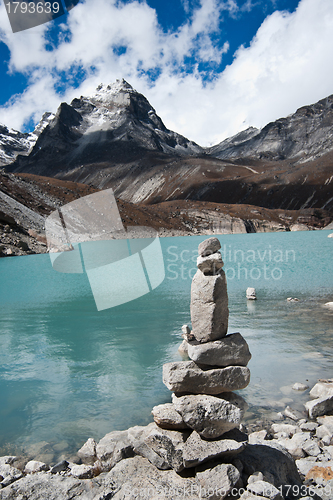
290	458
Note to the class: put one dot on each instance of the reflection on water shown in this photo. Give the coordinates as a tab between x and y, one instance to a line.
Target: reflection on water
69	372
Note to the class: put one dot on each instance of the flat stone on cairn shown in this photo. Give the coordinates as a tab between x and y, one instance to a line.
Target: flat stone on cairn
187	376
229	351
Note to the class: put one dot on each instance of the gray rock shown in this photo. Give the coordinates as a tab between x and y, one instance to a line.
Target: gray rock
257	437
322	389
217	482
8	459
42	486
259	476
87	452
139	438
81	471
319	406
135	478
326	420
35	466
211	416
186	333
113	447
187	376
230	351
323	431
264	489
251	293
295	445
308	426
209	306
305	464
183	349
209	246
273	459
293	414
9	474
169	446
311	448
288	428
186	330
248	496
167	417
197	450
211	264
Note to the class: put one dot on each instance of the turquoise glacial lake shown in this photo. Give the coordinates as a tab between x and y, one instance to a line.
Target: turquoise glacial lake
69	372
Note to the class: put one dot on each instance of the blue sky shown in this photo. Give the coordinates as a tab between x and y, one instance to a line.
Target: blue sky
210	68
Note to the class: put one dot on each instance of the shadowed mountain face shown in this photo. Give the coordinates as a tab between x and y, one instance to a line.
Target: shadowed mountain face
116	125
115	139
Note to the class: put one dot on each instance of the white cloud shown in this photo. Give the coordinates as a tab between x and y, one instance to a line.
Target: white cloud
286	65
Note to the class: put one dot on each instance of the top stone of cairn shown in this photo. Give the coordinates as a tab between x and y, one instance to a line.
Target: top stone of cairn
209	246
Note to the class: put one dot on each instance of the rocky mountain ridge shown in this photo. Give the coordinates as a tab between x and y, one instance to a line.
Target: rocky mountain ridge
116	125
303	136
114	138
13	142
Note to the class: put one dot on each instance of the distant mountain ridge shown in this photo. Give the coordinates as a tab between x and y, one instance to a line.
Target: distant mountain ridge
302	136
114	138
13	142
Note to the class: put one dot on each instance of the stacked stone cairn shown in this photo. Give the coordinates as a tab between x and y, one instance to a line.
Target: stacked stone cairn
202	422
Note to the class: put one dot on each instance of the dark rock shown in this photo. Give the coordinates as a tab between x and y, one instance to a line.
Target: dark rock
60	467
273	459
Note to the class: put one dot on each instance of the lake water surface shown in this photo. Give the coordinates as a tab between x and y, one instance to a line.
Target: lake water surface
69	372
